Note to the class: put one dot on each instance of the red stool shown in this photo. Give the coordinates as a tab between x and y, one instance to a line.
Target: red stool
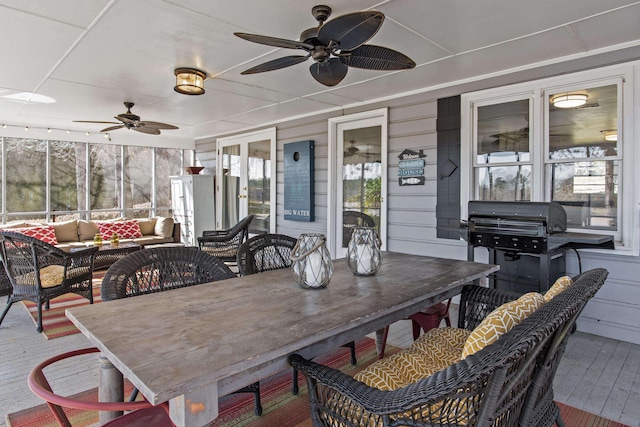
144	413
429	318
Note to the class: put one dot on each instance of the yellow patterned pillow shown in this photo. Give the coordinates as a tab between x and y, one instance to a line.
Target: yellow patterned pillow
500	321
561	284
50	276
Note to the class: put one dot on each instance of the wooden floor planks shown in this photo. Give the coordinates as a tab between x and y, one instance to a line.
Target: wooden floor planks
596	374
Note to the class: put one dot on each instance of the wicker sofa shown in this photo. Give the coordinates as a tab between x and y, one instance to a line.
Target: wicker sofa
506	383
79	233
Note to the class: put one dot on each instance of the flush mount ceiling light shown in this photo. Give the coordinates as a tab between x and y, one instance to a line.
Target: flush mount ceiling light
189	81
569	100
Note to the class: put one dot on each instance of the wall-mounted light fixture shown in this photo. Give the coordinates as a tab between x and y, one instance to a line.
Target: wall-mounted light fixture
569	100
610	135
189	81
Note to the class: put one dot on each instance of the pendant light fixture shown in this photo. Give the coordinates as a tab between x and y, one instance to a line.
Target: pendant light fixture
189	81
569	100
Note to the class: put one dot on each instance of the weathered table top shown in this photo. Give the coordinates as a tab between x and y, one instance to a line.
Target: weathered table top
212	339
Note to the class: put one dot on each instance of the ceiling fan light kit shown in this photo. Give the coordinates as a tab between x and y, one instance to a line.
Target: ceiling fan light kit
189	81
334	46
569	100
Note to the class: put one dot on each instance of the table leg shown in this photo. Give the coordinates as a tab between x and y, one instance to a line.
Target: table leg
379	341
111	388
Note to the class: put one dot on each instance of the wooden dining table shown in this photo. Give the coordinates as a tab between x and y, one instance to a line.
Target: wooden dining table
191	345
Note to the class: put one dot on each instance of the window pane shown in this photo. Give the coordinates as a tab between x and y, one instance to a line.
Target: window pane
105	177
508	183
589	193
503	132
68	176
138	179
26	175
259	164
167	164
580	132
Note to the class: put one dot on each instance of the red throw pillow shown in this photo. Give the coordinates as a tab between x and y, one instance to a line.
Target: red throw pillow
46	233
128	229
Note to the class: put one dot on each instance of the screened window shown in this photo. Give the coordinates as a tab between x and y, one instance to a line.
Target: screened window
68	170
138	181
104	163
168	163
26	175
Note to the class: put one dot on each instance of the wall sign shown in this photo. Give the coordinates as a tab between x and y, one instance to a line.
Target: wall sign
299	200
411	168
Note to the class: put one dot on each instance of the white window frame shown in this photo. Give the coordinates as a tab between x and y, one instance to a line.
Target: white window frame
627	236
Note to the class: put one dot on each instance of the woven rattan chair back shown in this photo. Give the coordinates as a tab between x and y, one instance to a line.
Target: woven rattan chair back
224	244
25	261
265	252
159	269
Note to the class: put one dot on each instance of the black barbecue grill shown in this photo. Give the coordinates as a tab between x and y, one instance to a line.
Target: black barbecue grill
528	240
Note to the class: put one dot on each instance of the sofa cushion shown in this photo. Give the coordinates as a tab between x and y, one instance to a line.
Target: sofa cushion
147	226
87	230
66	231
151	240
500	321
164	227
128	229
45	233
560	285
385	374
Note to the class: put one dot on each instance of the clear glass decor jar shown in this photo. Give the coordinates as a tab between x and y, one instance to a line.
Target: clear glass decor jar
363	251
97	239
312	266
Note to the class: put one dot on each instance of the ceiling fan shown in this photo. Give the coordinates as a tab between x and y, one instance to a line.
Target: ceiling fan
131	121
335	46
351	150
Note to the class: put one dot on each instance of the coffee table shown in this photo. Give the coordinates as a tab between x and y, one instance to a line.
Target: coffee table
109	254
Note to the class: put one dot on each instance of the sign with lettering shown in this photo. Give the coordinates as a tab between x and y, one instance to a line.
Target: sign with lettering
411	167
299	185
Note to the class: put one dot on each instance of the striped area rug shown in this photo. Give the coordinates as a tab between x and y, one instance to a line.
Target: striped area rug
54	323
280	407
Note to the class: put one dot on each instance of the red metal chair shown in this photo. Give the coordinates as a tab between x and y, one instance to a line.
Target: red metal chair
429	318
144	414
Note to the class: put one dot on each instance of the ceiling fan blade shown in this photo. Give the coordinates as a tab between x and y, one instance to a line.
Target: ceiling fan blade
148	130
276	64
351	30
371	57
330	72
275	41
94	121
158	125
109	129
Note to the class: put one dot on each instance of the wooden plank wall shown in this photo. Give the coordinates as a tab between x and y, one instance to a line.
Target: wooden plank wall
613	313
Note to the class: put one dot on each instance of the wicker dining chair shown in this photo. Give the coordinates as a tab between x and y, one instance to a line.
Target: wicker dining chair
224	244
39	271
164	268
266	252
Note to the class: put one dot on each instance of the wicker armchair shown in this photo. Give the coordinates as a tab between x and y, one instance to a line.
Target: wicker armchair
224	244
164	268
39	271
505	384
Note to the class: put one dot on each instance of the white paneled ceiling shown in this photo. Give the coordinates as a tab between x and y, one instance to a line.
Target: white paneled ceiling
91	55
